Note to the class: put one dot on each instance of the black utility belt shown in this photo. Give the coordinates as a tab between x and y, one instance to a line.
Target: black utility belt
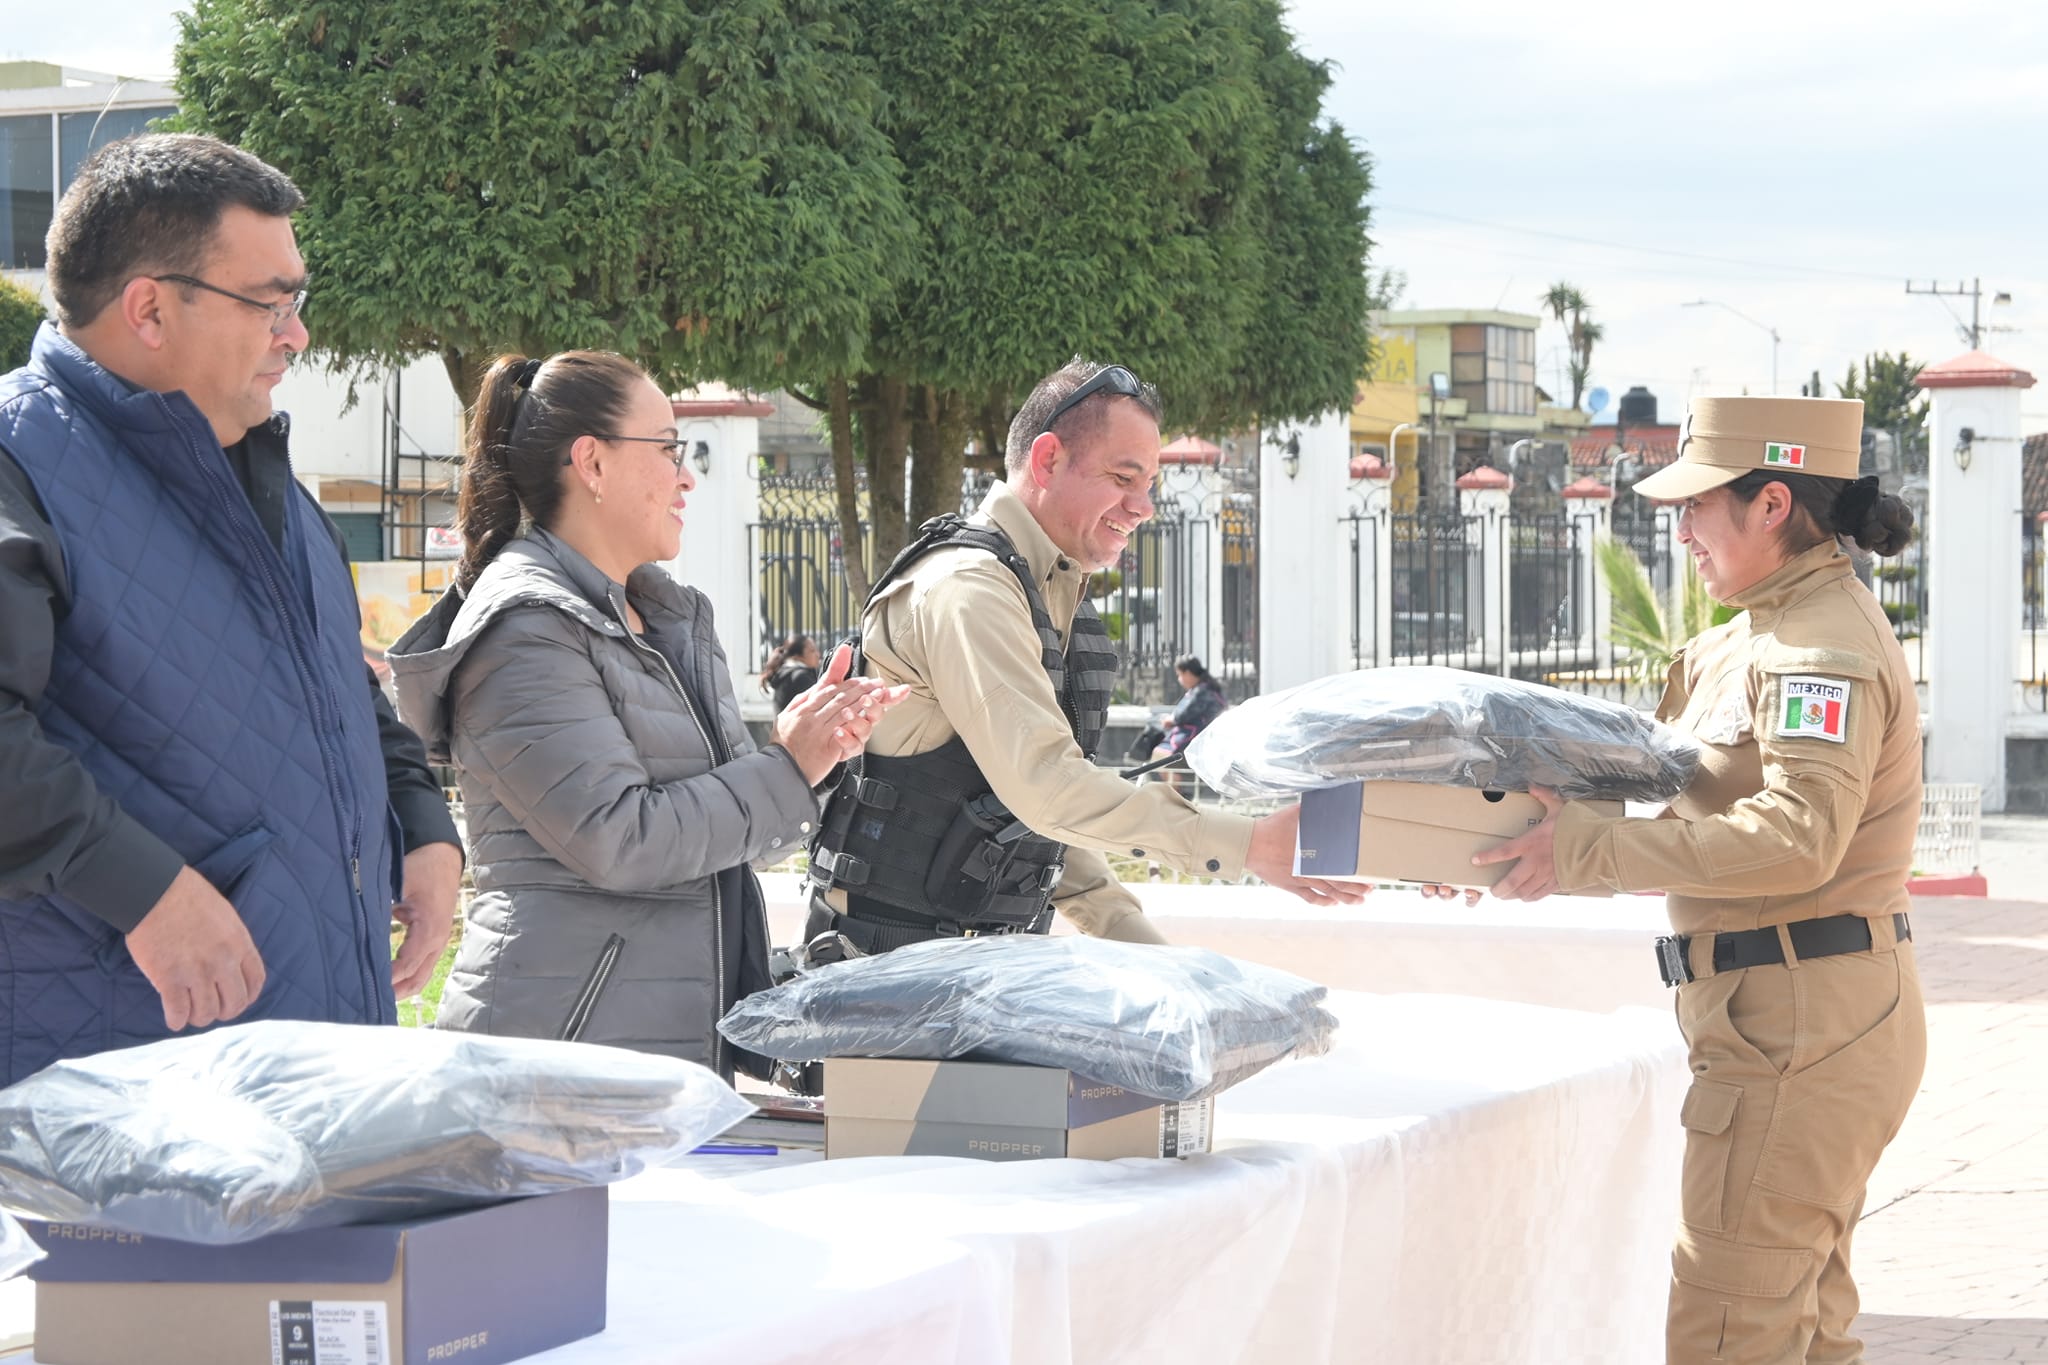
1828	937
871	932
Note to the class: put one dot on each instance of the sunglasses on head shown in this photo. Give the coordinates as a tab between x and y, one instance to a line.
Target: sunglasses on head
1109	379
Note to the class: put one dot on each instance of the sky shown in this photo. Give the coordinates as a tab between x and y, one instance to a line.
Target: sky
1795	162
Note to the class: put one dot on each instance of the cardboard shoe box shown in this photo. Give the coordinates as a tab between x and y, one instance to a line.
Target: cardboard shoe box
999	1111
1412	832
479	1287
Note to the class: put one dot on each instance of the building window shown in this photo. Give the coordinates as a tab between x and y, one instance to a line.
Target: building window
80	135
39	155
1511	371
28	189
1493	368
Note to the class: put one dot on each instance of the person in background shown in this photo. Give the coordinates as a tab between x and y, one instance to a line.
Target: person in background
790	670
614	798
1202	700
211	812
1785	866
979	808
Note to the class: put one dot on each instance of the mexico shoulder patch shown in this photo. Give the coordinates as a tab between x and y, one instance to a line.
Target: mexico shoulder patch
1814	708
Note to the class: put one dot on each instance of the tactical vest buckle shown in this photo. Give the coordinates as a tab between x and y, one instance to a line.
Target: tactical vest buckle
839	869
872	793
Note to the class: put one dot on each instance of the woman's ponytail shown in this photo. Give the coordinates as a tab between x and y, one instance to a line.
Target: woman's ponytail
528	414
1876	521
487	511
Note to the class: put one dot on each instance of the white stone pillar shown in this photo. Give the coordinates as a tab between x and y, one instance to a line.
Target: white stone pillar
1973	585
1303	633
721	430
1201	512
1590	505
1483	494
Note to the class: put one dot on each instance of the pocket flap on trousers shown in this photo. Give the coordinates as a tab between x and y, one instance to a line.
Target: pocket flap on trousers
1709	1107
1726	1268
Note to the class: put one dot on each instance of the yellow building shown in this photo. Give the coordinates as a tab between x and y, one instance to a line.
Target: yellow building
1488	362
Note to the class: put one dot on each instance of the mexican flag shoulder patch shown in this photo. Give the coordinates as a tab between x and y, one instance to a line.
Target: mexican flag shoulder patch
1814	708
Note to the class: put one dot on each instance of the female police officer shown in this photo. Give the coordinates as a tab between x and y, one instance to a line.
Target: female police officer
1785	864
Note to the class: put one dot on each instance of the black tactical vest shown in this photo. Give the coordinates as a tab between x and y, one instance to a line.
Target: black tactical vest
920	845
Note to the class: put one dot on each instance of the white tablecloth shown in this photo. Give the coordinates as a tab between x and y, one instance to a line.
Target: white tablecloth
1459	1181
1574	952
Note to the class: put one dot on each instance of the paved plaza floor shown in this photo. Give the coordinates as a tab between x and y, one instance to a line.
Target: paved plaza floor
1952	1253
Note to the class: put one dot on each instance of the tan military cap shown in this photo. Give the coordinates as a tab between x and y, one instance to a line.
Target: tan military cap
1725	438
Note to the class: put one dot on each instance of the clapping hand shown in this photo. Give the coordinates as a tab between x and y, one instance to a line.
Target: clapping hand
831	721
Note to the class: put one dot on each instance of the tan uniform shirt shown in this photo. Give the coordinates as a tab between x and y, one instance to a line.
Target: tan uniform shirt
1798	811
957	628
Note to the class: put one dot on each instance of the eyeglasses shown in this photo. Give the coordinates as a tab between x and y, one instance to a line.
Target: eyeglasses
1109	379
672	449
281	314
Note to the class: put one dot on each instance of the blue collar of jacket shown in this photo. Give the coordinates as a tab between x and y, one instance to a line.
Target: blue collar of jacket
118	402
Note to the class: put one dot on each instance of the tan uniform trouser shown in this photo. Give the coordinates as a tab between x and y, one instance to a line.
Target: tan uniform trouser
1802	1073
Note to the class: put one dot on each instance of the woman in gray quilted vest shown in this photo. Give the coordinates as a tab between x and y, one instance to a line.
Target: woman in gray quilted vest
614	798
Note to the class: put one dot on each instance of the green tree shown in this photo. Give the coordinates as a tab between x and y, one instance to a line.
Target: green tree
1114	178
21	312
1891	400
1575	315
699	185
719	188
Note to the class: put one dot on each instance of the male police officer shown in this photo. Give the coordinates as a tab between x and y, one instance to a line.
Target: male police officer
977	807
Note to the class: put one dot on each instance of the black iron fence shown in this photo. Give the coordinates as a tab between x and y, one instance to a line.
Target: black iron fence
1186	584
1547	567
1649	532
1900	584
1438	586
2033	670
1515	595
798	554
1421	587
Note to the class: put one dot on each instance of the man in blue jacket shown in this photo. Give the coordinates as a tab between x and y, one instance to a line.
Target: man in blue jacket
211	812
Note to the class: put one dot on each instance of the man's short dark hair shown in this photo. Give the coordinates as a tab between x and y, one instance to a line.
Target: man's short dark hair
1078	424
148	205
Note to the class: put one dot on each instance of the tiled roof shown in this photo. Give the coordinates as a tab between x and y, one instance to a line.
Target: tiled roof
1658	446
1974	370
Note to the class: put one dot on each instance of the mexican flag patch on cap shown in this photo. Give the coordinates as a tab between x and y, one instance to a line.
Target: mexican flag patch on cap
1784	456
1815	708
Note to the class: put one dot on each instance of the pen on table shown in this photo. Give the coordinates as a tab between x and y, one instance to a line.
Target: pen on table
734	1149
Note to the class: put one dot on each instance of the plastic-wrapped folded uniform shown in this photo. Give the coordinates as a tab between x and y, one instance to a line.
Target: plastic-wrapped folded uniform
1442	726
17	1251
279	1125
1175	1023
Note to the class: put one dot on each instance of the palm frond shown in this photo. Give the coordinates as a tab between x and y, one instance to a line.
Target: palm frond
1636	619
